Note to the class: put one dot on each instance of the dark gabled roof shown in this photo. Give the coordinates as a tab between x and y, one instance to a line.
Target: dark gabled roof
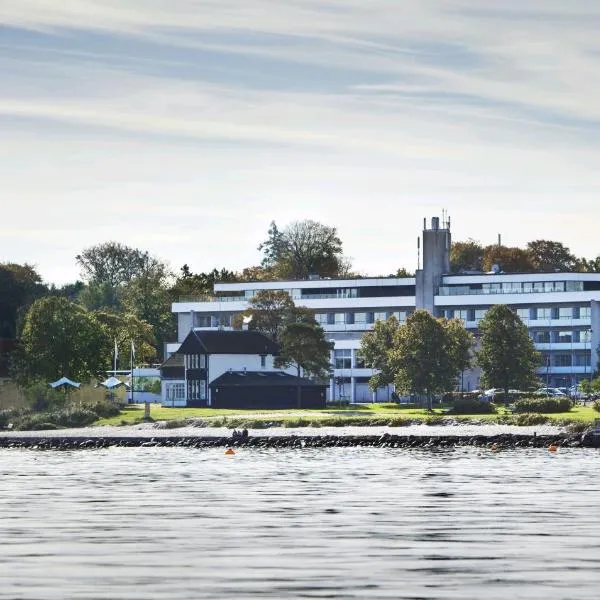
175	360
227	342
261	378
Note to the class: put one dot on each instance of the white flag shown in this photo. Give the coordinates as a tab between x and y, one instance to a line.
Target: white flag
132	349
116	350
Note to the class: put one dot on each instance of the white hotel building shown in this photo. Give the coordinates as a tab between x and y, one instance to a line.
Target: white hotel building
561	310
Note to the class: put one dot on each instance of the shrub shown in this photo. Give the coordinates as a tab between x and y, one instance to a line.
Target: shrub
596	405
103	408
41	397
471	406
550	404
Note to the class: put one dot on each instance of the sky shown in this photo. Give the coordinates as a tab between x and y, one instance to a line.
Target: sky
185	127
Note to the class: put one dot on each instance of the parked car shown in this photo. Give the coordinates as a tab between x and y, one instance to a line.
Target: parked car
548	391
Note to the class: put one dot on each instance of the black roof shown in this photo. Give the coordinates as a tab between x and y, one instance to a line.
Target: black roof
261	378
227	342
175	360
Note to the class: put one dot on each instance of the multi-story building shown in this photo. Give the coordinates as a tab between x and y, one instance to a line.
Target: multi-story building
561	310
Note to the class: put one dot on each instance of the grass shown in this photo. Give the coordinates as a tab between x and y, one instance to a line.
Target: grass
376	414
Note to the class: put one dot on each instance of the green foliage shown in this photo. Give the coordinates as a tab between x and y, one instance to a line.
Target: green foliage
466	256
424	356
547	256
60	338
596	405
471	406
507	355
40	396
375	349
200	285
549	404
270	311
69	417
510	260
303	248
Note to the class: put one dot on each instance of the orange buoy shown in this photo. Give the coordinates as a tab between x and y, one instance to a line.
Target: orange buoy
552	448
229	451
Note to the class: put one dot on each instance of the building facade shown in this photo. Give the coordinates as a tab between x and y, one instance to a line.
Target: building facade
561	311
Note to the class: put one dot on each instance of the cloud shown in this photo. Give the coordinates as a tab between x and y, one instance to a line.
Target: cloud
187	119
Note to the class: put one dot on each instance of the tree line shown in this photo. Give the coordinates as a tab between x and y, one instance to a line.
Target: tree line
125	294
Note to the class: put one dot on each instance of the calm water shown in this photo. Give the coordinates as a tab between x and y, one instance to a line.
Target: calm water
344	523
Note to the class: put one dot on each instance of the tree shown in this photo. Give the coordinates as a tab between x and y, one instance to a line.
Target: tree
270	311
507	355
125	328
466	256
423	356
147	297
60	338
20	285
200	285
589	266
303	248
547	256
112	263
429	354
510	260
305	345
402	272
375	351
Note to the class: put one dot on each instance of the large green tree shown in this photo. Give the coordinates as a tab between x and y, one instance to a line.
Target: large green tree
423	356
61	338
304	248
547	256
509	259
200	285
375	349
507	355
466	256
269	312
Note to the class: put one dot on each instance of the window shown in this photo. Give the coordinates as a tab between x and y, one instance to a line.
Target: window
175	391
360	317
565	312
203	361
564	337
480	313
350	318
370	317
523	313
544	314
342	359
541	337
585	312
263	361
321	318
330	319
202	320
562	360
582	360
340	318
380	316
202	389
462	314
400	315
449	314
359	361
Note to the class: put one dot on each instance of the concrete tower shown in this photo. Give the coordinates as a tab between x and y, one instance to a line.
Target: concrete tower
436	262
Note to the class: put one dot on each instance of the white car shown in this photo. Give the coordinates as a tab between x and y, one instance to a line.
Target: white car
549	392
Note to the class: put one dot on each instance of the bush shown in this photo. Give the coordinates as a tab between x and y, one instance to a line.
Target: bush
35	421
42	397
596	405
550	404
102	408
471	406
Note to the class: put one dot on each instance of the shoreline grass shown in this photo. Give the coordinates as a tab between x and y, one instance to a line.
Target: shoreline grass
357	415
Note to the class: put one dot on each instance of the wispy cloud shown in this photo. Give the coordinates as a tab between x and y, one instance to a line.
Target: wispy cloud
234	112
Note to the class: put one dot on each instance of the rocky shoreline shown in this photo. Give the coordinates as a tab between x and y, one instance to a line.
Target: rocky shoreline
386	440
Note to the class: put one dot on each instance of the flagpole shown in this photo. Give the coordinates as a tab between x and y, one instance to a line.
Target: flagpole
131	362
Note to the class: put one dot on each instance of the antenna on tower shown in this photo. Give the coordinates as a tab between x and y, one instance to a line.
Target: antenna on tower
418	253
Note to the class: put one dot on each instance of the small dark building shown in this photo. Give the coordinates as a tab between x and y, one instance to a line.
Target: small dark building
266	390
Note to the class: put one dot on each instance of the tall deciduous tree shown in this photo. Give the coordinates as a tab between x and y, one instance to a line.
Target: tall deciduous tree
507	355
375	351
423	356
61	338
200	285
303	248
112	263
466	256
547	256
269	312
510	260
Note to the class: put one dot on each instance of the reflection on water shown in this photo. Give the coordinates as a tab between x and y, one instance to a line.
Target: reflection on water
342	523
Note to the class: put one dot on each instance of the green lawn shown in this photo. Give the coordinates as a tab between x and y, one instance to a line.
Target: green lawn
132	414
